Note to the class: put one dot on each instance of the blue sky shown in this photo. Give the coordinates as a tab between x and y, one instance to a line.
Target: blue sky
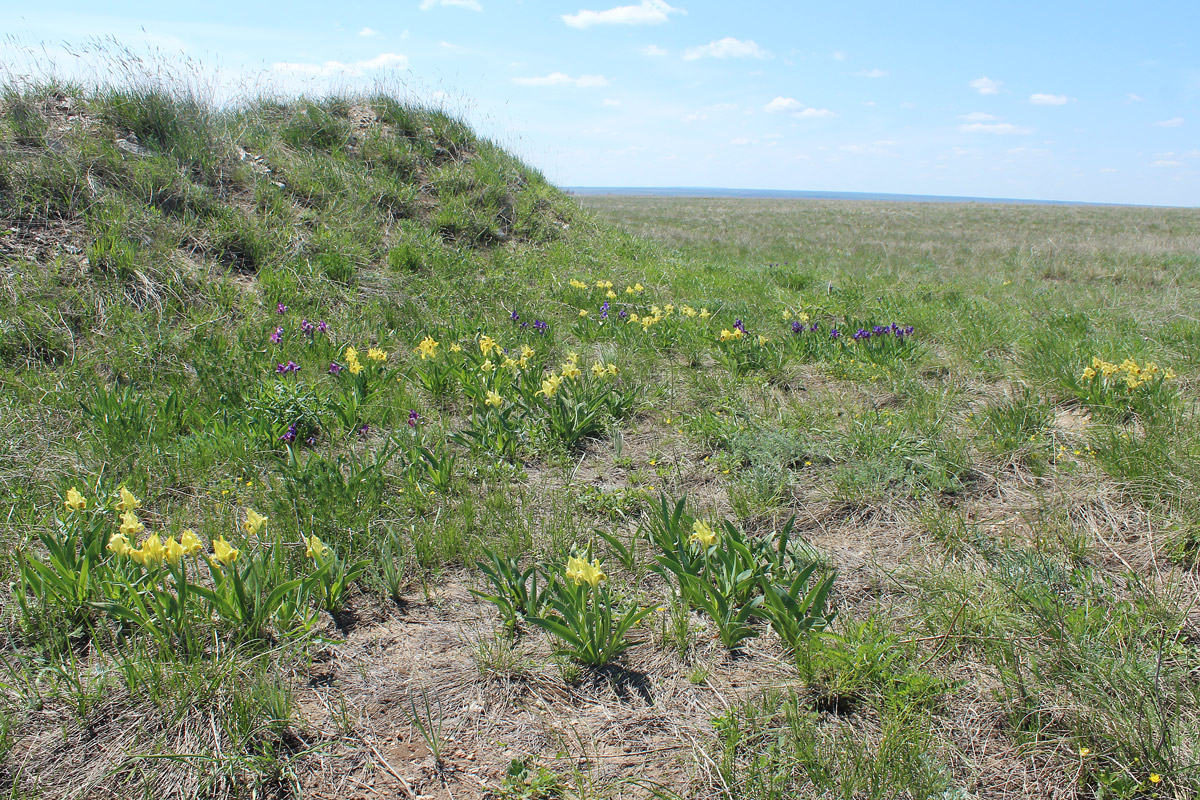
1056	100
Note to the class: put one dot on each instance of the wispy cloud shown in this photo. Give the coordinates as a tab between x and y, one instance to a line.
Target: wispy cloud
980	116
999	128
986	85
563	79
354	68
871	73
1167	164
1133	98
1048	99
608	101
648	12
471	4
653	50
368	32
1173	122
797	109
726	48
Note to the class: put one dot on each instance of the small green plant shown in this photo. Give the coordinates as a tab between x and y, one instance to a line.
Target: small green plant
585	623
796	614
522	783
335	573
394	566
514	591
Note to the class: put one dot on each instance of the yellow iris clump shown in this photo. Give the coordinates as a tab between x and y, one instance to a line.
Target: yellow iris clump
75	501
703	534
427	348
580	572
1128	372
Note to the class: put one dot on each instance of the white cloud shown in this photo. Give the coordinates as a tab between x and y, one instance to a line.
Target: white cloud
563	79
379	62
980	116
648	12
726	48
653	50
695	116
743	140
985	85
471	4
871	73
608	101
796	109
1000	128
1048	99
368	32
1174	122
1108	169
839	55
1133	98
1167	164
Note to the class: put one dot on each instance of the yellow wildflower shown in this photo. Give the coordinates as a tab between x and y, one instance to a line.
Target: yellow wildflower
731	335
578	284
173	551
573	357
75	501
687	311
375	354
428	348
1169	374
527	352
571	371
487	344
223	553
127	502
610	294
352	362
1088	374
655	311
152	550
763	340
612	369
702	534
190	544
455	348
637	287
598	369
487	366
629	290
668	310
550	385
582	312
255	522
130	524
633	317
509	363
803	317
705	313
119	544
314	547
580	572
494	399
1155	777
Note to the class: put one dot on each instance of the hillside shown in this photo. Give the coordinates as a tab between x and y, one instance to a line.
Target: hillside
344	456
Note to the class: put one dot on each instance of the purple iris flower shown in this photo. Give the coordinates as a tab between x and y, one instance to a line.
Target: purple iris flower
738	324
284	369
604	310
312	440
307	327
514	316
813	328
413	418
879	330
623	314
322	326
277	336
861	334
797	327
335	368
290	436
539	326
363	430
280	308
834	333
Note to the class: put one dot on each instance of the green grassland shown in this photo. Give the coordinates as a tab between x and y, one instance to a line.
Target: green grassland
343	455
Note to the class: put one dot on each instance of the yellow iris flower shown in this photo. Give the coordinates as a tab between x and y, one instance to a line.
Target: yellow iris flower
375	354
127	502
255	522
580	572
702	534
428	348
314	547
119	544
190	544
550	385
173	551
571	371
75	501
487	344
224	553
130	524
494	399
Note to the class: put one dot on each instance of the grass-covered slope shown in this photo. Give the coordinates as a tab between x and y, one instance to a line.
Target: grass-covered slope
341	455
